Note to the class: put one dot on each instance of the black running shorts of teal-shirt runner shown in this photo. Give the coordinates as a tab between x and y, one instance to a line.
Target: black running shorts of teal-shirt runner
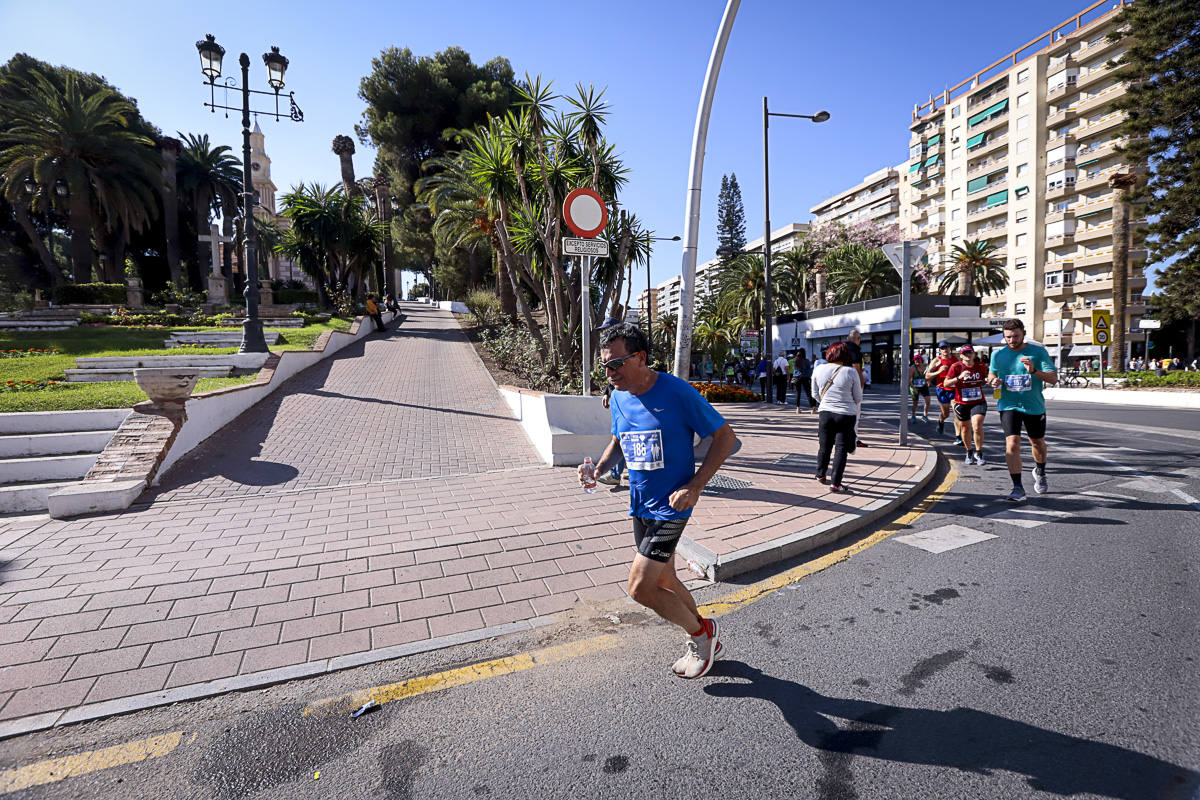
1011	421
656	538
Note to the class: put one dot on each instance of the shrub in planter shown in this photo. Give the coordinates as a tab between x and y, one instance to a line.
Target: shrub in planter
721	393
88	294
484	307
1169	380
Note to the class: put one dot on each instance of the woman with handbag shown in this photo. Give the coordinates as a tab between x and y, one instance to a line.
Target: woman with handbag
838	391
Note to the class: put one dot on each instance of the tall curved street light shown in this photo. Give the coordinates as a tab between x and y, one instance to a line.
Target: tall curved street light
211	55
768	313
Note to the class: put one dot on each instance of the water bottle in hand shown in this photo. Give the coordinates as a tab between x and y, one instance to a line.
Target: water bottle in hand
588	473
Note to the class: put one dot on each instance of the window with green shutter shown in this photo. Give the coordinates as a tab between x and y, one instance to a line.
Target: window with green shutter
934	140
976	184
929	162
976	140
997	199
987	113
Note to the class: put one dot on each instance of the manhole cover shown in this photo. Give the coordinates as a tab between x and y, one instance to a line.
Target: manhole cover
722	484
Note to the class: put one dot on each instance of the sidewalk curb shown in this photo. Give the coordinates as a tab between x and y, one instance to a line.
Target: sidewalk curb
254	680
723	567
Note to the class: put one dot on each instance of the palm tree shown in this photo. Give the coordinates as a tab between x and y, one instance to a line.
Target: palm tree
793	277
212	178
330	237
742	289
974	268
858	272
715	334
80	141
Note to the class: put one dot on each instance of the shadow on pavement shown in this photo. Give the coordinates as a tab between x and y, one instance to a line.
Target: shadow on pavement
961	738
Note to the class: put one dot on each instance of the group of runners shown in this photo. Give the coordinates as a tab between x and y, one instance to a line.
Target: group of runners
655	417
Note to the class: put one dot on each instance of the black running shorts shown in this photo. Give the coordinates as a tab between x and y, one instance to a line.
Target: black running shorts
656	538
1012	420
965	412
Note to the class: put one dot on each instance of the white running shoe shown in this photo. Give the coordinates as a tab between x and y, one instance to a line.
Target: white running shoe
1040	484
1017	495
969	458
979	458
608	479
701	652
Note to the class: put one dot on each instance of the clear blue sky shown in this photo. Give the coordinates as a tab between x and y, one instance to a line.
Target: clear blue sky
866	62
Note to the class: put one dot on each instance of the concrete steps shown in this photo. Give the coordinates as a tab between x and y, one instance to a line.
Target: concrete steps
120	368
215	338
40	452
282	322
105	375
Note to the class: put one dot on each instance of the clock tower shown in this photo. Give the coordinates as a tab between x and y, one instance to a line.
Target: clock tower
260	170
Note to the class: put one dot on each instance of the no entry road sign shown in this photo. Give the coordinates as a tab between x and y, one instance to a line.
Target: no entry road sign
585	213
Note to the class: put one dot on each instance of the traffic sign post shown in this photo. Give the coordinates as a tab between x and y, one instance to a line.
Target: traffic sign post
902	255
1101	335
586	214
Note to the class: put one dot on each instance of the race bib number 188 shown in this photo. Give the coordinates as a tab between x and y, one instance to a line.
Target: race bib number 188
643	449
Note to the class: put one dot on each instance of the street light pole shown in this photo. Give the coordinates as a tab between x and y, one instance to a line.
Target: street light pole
211	55
768	315
649	310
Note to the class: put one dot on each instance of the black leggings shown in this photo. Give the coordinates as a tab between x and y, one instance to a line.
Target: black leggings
836	437
804	387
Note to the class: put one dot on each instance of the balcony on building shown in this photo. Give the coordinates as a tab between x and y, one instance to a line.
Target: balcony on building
988	96
980	144
1060	184
991	206
992	181
989	230
1101	99
1097	45
991	164
1100	125
1060	233
1062	114
988	119
1061	84
1089	77
1088	208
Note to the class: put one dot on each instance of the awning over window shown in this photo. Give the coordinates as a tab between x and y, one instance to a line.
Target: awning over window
929	162
976	140
977	184
1086	163
1021	191
915	167
934	140
997	199
990	111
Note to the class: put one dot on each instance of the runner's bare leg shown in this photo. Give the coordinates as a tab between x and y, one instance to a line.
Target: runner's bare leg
662	593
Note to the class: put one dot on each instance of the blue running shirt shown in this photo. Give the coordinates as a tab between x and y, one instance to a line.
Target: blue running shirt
1021	391
656	430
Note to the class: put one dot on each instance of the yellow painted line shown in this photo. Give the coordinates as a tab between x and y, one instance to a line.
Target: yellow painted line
460	676
55	769
747	595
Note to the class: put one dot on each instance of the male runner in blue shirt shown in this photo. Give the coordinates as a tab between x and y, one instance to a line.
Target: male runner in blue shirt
1021	370
654	418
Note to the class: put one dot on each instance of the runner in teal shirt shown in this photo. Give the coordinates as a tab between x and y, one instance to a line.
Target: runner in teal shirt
1021	370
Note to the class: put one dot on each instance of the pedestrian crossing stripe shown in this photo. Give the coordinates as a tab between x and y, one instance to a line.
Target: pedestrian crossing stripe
1028	517
946	537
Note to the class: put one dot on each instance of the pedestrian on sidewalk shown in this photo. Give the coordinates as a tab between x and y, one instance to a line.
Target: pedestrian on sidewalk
1021	370
802	376
780	374
838	388
654	419
854	347
389	302
761	371
374	313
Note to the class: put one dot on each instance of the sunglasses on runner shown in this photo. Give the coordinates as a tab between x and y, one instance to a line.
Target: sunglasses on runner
617	363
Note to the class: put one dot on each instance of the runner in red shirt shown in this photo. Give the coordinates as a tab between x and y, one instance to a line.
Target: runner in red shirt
966	378
936	373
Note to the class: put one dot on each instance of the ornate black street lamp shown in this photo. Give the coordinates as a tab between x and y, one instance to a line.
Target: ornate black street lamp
211	55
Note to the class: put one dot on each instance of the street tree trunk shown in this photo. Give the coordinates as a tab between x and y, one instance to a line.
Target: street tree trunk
821	276
43	252
170	151
81	235
1121	183
343	148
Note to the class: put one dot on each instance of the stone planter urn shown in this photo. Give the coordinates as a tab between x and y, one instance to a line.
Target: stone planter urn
165	384
134	294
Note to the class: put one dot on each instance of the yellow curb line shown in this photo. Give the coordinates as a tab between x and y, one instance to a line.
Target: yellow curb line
462	675
55	769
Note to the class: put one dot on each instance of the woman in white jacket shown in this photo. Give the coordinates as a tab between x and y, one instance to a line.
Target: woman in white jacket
838	391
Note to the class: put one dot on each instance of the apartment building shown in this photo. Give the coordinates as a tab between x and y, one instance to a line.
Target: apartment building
647	303
1019	155
876	199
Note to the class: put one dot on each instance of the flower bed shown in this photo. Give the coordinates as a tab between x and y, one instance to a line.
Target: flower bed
29	385
28	352
721	393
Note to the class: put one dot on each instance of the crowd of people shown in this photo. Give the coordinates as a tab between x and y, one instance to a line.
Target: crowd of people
1162	365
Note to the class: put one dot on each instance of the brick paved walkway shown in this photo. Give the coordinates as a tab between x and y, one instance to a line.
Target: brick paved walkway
241	586
414	403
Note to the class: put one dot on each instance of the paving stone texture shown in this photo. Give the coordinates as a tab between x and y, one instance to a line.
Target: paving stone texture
381	498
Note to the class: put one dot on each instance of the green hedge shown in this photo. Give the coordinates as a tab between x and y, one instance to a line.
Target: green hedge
284	296
88	294
1177	379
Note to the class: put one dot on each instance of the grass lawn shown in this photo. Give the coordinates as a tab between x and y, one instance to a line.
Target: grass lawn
111	341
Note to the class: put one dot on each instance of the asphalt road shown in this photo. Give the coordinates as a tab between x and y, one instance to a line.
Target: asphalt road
1053	657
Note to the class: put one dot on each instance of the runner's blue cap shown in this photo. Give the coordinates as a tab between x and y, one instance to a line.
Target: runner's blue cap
608	323
943	343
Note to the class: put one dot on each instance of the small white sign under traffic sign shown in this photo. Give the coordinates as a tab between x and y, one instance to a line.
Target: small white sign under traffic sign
584	247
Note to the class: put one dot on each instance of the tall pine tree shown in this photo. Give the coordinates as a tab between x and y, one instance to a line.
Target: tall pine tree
1162	125
731	216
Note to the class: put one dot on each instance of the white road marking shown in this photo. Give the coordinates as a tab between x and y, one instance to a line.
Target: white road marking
947	537
1152	485
1187	498
1028	517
